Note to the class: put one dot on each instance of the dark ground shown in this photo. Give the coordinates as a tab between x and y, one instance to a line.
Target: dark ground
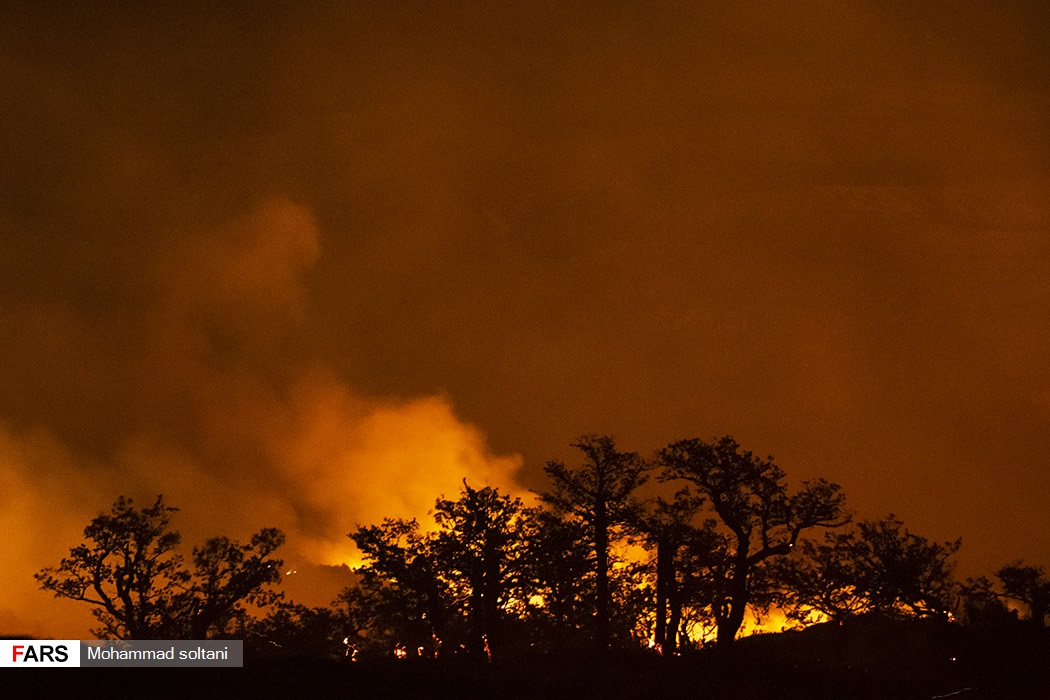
876	659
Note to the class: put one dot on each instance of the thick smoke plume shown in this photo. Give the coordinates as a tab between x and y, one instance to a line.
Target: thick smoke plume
233	443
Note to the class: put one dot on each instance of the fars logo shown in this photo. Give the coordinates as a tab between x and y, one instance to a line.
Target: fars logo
30	653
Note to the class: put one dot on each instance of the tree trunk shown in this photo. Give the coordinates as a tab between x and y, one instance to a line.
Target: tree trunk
660	633
491	602
675	606
738	598
601	550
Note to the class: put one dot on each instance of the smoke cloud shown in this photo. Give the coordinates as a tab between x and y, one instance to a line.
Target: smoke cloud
309	267
232	443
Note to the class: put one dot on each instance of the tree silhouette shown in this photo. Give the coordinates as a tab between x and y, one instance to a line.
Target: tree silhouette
449	587
402	597
227	573
557	578
479	545
875	567
129	569
294	630
667	527
751	500
599	494
982	604
1028	585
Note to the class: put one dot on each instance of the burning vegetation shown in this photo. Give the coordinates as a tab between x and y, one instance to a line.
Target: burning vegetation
594	566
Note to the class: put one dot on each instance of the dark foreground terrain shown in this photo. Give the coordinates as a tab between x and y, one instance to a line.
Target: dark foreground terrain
872	660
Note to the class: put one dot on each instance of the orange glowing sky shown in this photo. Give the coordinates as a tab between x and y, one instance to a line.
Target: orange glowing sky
308	266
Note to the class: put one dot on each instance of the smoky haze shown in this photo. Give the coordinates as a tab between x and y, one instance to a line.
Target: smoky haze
312	267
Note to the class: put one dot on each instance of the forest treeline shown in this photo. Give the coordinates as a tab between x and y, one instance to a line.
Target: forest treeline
669	553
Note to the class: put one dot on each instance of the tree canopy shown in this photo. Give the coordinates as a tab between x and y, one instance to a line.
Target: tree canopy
875	567
600	494
750	497
1029	586
130	570
450	586
601	561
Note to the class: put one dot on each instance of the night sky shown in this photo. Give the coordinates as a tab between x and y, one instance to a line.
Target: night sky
309	266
